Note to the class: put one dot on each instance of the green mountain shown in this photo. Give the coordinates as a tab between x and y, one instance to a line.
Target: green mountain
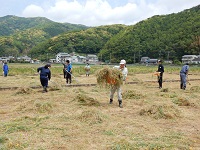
89	41
18	35
12	24
164	37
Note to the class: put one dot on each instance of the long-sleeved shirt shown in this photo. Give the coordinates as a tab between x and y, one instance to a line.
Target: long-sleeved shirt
160	68
123	70
185	69
67	67
5	68
44	72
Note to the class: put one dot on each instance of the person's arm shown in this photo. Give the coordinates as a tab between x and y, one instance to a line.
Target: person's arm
49	75
70	68
39	69
163	69
187	70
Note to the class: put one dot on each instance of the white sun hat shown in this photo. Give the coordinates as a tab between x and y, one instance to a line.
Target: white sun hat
122	62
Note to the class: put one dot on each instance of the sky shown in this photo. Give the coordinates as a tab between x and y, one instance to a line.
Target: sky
94	12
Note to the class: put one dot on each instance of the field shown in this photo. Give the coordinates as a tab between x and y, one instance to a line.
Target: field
79	116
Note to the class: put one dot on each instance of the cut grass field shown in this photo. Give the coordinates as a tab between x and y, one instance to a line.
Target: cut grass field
81	117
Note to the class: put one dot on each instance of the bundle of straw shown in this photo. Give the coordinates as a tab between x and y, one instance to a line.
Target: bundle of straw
156	73
109	77
87	68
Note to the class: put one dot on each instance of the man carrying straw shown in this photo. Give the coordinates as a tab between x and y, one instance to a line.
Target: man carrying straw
113	77
114	88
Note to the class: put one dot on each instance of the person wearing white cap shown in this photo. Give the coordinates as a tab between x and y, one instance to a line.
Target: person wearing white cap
124	71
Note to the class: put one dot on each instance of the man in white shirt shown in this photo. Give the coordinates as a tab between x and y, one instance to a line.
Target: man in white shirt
124	71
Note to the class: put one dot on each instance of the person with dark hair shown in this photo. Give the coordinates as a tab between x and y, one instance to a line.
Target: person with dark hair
45	76
183	76
161	71
68	72
5	69
87	70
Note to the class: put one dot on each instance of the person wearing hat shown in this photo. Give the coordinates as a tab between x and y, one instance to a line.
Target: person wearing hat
124	71
183	76
160	76
87	69
45	76
5	69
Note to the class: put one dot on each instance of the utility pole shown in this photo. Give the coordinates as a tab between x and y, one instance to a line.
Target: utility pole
198	42
159	54
110	58
168	55
139	56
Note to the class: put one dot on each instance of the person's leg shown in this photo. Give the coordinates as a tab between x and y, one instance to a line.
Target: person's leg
160	82
119	94
112	91
5	73
70	78
44	83
181	80
184	81
67	77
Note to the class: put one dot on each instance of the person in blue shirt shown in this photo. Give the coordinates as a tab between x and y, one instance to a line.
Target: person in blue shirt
5	69
68	72
183	76
45	76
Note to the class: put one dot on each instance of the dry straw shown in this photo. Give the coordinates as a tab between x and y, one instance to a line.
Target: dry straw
161	111
109	77
86	100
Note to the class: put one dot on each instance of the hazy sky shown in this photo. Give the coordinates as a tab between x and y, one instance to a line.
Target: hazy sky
94	12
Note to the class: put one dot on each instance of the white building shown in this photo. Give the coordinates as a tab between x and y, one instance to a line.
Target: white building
196	60
4	59
74	59
91	58
188	58
62	57
24	58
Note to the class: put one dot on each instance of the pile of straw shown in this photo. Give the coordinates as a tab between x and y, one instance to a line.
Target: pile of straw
87	68
109	77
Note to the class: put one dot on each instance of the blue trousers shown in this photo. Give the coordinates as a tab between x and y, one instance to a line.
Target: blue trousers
183	80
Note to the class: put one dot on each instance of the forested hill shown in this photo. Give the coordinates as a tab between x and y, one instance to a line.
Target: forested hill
89	41
11	24
19	35
164	37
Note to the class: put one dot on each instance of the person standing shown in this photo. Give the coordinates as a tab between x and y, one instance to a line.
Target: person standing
160	76
45	76
114	88
5	69
87	69
183	76
68	71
